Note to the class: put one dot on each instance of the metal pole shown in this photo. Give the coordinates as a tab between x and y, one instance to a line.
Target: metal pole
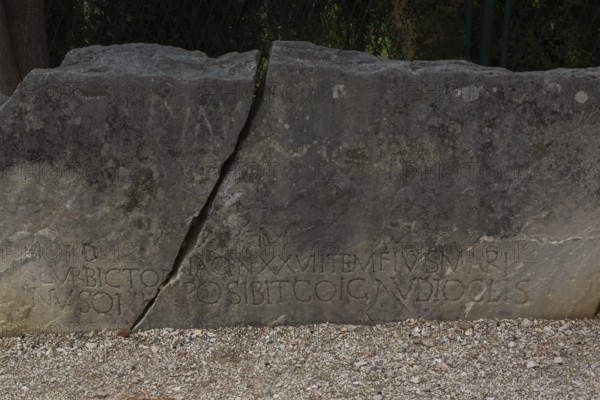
469	34
507	12
485	57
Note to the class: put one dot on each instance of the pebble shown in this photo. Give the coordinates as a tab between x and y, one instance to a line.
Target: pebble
526	323
124	332
558	360
464	325
532	364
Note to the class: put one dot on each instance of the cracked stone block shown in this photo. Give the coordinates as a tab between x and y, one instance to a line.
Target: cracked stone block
105	162
371	190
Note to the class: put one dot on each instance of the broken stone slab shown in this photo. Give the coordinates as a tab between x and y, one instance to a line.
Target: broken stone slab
105	162
370	190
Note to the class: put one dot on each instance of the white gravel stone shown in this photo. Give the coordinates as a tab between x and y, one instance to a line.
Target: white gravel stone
526	323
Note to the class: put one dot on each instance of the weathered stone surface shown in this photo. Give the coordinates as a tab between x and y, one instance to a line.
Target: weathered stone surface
371	190
105	161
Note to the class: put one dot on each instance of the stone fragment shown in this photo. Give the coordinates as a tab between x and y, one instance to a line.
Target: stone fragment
105	162
558	360
124	332
532	364
526	323
371	190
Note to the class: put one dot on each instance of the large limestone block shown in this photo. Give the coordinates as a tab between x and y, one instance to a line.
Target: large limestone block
371	190
105	162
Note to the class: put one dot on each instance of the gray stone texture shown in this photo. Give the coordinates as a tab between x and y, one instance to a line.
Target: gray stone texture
105	162
370	190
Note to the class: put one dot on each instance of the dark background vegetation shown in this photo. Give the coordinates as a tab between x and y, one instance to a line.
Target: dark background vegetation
515	34
543	34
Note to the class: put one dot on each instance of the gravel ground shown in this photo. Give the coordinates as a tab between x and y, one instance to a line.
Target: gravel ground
488	359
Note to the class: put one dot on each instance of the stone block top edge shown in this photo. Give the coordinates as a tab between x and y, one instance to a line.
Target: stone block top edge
309	54
157	60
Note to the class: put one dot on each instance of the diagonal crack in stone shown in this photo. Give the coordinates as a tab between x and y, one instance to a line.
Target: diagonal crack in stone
191	238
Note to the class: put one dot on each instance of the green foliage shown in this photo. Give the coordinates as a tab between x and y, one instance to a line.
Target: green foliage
559	34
